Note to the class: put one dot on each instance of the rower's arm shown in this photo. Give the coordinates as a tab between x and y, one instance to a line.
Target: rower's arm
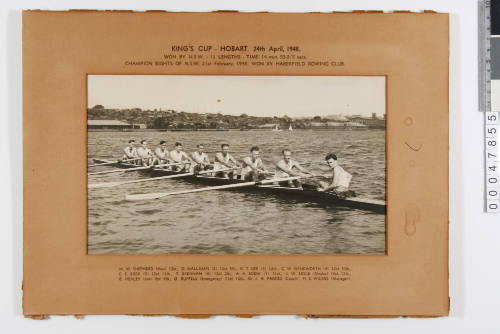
302	169
283	167
262	168
188	157
196	159
234	161
248	163
221	161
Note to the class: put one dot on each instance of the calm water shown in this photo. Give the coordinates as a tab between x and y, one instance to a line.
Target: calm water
238	222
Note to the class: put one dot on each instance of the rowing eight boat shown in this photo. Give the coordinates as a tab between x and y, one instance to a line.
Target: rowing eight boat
308	193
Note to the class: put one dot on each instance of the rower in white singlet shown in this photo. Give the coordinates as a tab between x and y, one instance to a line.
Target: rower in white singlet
253	168
287	167
179	156
161	154
201	159
145	154
130	153
225	160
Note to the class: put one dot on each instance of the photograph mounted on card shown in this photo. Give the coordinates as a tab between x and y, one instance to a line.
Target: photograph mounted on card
292	164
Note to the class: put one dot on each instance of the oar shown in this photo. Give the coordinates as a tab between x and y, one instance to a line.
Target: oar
138	197
119	183
123	170
113	162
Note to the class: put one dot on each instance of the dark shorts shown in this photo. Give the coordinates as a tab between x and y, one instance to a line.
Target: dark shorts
249	177
230	174
178	168
199	168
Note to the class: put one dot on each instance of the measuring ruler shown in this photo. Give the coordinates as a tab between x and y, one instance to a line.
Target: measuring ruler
489	96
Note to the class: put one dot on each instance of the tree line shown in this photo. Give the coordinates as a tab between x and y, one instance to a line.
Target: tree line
172	119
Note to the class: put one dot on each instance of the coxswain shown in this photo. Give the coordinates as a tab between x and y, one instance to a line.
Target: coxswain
253	168
161	154
225	160
201	159
145	154
179	156
130	152
287	167
340	178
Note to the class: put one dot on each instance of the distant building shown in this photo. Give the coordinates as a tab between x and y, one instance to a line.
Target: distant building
106	124
318	125
371	122
336	118
355	125
346	124
139	126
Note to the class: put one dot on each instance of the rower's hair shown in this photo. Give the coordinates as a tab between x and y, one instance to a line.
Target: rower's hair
222	146
131	141
254	148
162	142
286	150
330	156
143	141
178	144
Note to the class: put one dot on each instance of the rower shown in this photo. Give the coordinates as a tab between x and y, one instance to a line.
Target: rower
288	167
130	152
179	156
145	154
253	168
340	178
201	159
225	160
161	154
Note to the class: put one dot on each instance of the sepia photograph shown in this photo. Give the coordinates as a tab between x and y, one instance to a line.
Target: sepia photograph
197	164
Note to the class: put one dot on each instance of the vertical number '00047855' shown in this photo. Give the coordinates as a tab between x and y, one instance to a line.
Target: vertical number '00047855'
492	154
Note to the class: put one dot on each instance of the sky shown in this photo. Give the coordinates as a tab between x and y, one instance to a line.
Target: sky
294	96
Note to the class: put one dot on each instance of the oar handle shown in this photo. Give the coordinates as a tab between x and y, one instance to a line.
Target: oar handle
216	170
279	179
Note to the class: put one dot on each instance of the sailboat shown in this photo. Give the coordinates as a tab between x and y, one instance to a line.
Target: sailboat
290	127
276	128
